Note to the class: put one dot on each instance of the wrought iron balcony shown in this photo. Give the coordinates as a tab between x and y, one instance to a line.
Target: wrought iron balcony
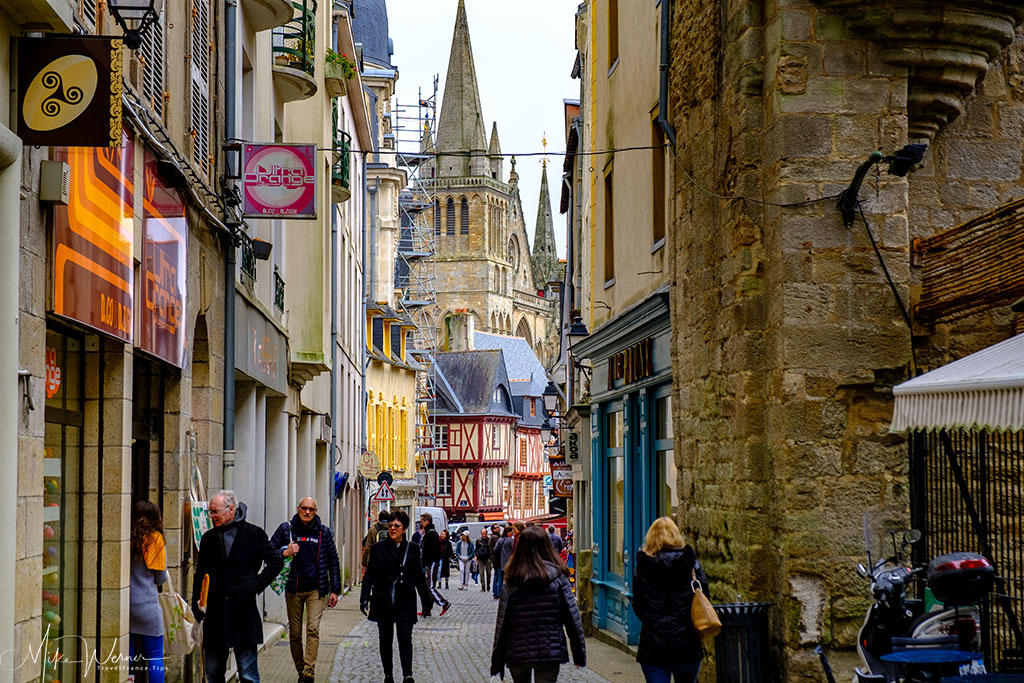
278	291
248	260
294	50
340	191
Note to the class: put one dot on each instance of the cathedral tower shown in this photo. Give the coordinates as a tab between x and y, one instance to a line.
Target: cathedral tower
484	265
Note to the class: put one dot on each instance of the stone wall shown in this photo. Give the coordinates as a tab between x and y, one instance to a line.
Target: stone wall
786	336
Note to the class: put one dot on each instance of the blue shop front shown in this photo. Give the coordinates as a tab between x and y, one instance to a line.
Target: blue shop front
633	461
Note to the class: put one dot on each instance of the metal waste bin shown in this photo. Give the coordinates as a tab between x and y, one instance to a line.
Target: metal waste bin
742	653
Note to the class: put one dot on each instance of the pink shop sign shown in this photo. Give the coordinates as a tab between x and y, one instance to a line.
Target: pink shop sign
279	181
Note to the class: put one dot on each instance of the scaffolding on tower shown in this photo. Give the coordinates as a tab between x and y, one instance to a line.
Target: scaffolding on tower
416	268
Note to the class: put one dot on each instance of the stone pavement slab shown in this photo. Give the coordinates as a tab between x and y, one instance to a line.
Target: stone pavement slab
454	648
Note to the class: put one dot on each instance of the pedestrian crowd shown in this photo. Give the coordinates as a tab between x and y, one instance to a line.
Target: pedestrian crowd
537	627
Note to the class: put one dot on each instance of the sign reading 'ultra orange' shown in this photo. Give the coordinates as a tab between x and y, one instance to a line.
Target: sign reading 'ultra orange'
163	266
93	274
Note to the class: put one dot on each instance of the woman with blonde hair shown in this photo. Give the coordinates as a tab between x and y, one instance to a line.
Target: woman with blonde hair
670	648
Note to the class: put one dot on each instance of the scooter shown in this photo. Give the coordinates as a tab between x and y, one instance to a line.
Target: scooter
894	622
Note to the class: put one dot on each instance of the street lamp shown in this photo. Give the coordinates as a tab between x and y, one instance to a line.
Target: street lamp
135	17
550	398
545	432
577	330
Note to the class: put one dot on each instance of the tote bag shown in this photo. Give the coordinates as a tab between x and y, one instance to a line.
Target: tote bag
178	622
702	614
281	580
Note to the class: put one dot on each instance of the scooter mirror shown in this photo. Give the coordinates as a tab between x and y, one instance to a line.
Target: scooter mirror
862	571
912	536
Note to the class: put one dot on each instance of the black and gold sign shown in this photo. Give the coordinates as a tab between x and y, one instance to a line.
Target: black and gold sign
69	91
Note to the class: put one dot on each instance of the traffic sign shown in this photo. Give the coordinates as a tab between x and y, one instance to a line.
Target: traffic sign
385	478
384	494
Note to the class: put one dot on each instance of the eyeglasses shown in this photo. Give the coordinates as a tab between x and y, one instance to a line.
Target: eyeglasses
396	525
217	512
306	508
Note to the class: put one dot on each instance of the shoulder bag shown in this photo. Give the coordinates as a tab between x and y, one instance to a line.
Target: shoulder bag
401	574
178	621
702	613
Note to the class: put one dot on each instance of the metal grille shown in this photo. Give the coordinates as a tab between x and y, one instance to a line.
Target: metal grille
248	260
293	43
278	291
967	494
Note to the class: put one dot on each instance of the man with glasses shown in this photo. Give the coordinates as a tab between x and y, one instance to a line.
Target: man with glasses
313	578
231	555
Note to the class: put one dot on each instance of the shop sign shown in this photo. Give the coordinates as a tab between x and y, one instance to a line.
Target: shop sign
53	373
632	364
279	180
200	520
561	479
261	350
164	229
368	465
70	91
93	239
574	445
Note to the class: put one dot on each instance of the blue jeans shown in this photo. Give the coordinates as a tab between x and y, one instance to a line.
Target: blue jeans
499	576
217	664
150	651
682	673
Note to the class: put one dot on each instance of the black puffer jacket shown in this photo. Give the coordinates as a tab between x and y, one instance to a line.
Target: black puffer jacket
661	600
530	624
386	570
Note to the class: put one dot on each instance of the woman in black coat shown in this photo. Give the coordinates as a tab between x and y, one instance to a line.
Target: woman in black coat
393	577
537	608
447	552
669	646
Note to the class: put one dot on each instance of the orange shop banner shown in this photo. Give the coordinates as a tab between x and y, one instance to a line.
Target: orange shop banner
164	229
93	274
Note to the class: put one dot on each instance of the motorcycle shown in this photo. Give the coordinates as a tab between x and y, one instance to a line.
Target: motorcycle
896	622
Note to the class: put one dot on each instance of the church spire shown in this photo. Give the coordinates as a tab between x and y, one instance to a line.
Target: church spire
494	152
545	258
461	141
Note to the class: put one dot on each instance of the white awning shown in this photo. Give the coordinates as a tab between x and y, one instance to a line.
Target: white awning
984	390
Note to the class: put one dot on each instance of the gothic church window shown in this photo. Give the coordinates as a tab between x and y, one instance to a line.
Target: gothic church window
437	216
450	218
513	252
464	217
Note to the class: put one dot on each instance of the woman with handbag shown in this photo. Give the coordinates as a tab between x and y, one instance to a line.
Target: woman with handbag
536	611
670	647
388	596
148	571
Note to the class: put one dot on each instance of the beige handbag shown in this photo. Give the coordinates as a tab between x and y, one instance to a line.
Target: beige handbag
702	613
178	621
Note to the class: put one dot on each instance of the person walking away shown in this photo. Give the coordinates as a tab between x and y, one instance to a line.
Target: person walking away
464	551
556	540
536	611
148	572
393	577
504	547
232	554
669	648
313	579
445	565
378	531
483	560
431	555
496	532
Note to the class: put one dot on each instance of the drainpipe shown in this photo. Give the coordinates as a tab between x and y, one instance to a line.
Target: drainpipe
373	122
567	293
373	242
670	133
334	324
230	31
10	210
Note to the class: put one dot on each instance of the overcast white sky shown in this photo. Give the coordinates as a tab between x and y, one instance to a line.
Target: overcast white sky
524	52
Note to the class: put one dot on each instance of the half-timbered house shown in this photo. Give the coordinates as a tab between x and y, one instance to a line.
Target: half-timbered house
475	433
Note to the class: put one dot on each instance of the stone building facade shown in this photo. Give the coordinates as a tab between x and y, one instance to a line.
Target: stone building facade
484	265
787	338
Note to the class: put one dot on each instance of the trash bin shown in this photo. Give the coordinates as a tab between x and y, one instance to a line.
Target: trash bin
741	649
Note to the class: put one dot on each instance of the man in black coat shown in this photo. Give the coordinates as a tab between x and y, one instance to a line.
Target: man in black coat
313	578
430	542
393	577
231	554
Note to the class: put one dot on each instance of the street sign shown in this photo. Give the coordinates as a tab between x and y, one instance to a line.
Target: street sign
384	494
368	465
385	478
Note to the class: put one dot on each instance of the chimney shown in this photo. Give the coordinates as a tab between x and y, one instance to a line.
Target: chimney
460	331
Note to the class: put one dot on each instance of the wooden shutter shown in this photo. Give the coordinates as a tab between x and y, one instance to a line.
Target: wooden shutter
153	67
199	122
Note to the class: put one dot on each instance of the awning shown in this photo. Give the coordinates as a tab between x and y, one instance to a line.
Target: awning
550	519
984	390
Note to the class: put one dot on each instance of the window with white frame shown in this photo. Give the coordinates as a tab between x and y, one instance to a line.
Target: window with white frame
444	482
495	437
440	436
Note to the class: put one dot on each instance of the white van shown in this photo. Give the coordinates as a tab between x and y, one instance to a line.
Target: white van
438	515
456	529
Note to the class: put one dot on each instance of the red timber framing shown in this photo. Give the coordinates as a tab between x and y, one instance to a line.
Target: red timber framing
478	452
525	476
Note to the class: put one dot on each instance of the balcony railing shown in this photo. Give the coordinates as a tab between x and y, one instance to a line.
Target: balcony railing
340	190
248	259
278	292
294	42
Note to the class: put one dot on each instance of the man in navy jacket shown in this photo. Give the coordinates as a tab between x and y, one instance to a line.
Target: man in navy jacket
314	575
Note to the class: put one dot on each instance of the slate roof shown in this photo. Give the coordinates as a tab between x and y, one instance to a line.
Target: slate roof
473	376
370	27
525	373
